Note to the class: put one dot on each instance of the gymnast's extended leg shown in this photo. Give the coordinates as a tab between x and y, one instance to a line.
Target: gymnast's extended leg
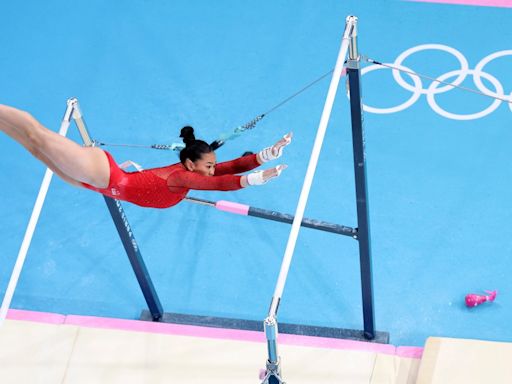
66	158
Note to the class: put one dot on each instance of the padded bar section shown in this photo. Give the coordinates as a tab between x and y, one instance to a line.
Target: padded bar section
229	206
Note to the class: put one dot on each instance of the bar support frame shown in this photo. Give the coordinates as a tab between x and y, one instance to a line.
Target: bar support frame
121	222
361	185
273	369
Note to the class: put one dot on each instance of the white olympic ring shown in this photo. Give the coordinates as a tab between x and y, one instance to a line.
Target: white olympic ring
480	66
496	103
435	88
415	96
462	60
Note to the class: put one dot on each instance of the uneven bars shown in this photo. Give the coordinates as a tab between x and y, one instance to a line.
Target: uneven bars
27	239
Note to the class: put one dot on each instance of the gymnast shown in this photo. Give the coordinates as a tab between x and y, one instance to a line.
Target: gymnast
163	187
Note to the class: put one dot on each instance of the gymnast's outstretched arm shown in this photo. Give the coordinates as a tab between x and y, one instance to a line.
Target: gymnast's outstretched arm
248	163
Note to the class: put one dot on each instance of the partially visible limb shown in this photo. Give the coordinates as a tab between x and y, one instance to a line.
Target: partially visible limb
63	156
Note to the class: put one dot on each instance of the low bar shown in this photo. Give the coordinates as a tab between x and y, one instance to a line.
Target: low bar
309	223
247	210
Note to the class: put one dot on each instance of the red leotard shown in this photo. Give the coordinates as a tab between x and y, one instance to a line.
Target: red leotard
167	186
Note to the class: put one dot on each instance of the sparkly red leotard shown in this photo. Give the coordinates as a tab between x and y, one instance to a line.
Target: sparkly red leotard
167	186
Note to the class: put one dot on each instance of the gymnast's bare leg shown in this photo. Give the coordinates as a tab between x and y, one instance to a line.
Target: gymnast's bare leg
73	163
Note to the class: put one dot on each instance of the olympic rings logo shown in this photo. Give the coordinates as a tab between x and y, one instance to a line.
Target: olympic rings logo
436	88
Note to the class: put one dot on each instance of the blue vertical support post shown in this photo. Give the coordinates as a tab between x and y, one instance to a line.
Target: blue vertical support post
123	227
363	236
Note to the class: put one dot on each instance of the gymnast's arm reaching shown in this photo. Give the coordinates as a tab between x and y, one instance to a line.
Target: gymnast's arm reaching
199	160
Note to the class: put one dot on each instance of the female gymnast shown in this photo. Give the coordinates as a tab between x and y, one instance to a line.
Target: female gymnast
164	187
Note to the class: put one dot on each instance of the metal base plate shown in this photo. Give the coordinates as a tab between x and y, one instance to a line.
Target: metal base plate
253	325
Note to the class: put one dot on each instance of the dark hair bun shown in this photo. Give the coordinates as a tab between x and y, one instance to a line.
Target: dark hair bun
187	133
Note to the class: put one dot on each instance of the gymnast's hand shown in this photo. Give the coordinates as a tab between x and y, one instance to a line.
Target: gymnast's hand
262	177
275	151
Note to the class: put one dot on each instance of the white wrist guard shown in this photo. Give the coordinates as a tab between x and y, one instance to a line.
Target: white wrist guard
275	151
267	155
256	178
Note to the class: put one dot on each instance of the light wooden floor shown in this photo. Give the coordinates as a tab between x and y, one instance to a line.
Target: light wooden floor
36	352
91	351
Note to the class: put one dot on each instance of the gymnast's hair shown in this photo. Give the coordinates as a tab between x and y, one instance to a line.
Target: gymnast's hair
194	149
